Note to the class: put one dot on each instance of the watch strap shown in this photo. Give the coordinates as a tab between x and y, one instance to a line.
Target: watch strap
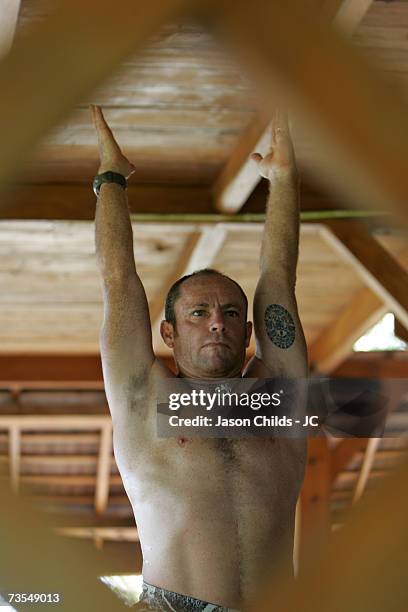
108	177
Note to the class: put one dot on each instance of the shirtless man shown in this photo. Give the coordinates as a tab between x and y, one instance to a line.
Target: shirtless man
214	516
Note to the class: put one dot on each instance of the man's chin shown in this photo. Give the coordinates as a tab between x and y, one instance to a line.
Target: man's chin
218	367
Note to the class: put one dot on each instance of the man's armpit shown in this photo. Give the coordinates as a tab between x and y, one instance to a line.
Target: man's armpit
279	326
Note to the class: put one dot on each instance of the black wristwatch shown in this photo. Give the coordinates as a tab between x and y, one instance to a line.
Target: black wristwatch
108	177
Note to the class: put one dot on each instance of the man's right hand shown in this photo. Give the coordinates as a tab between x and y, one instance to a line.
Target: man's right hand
110	154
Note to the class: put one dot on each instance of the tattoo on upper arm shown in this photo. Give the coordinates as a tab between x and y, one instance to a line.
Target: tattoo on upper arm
279	326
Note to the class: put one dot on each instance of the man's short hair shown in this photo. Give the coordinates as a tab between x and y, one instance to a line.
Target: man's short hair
174	292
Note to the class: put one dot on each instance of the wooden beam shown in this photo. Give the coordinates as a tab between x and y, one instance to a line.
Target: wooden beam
58	80
349	13
385	365
8	19
115	534
54	423
376	267
401	331
59	564
66	480
103	474
336	342
44	369
14	456
343	453
368	460
240	175
322	588
315	493
76	201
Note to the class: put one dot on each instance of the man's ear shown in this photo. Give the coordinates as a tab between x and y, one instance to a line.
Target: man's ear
248	333
167	333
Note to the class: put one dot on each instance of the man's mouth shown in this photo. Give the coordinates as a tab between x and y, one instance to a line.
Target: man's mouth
216	344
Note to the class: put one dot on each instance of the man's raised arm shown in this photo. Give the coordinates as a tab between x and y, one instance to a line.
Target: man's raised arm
281	347
126	339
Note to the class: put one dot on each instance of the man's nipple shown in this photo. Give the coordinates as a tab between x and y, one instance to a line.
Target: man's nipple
182	441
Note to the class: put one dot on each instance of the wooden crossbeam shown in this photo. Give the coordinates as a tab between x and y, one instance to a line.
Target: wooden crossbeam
9	10
54	423
76	201
104	469
44	76
376	267
116	534
240	175
336	342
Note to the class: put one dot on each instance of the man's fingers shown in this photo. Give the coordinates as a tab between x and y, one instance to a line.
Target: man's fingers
280	125
99	120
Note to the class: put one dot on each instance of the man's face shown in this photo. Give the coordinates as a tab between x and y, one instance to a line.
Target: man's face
211	330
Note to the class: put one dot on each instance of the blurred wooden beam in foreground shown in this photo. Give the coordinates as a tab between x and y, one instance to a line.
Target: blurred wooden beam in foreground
240	175
356	122
33	559
363	569
61	60
8	19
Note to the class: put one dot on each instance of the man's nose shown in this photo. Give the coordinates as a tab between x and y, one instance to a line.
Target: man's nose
217	323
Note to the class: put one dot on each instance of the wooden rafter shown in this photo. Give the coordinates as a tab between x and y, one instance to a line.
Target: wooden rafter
376	267
240	175
335	343
8	19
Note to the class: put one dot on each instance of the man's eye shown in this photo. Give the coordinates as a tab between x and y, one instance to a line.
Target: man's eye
232	313
198	313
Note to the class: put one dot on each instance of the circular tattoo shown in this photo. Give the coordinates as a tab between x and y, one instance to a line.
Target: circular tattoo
280	326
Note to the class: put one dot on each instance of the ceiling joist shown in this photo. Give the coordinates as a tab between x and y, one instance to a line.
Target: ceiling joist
376	267
336	342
